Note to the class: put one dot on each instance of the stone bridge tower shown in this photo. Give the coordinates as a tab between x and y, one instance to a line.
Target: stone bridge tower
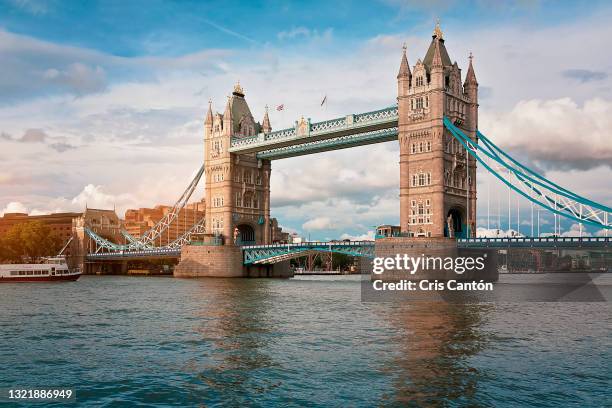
237	186
437	177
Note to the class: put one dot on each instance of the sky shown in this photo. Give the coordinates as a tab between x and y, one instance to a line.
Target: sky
102	103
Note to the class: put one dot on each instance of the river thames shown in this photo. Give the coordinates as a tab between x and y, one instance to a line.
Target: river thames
307	342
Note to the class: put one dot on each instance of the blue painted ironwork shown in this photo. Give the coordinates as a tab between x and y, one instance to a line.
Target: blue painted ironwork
143	253
531	185
342	142
134	245
527	242
269	254
329	129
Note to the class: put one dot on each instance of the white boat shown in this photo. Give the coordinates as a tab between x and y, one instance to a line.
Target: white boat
53	269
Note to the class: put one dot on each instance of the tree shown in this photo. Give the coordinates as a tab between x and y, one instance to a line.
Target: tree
30	241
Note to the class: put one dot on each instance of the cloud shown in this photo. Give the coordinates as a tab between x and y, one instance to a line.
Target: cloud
61	147
79	78
575	231
34	7
584	75
555	134
304	32
319	223
368	236
33	68
482	232
29	136
294	32
138	121
33	136
14	207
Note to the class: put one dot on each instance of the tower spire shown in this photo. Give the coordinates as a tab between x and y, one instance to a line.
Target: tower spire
470	78
209	114
404	70
437	57
227	117
265	124
437	32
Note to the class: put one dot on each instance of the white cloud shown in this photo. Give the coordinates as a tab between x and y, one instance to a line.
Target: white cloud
140	136
318	223
576	231
368	236
482	232
14	207
556	133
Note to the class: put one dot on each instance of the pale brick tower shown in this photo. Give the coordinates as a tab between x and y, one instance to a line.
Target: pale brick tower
237	186
437	177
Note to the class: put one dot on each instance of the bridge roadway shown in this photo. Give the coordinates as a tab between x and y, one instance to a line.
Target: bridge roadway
267	254
307	138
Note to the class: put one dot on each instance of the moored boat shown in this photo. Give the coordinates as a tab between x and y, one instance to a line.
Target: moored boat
53	269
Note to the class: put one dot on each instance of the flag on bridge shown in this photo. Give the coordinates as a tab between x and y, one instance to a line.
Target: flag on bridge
324	100
280	107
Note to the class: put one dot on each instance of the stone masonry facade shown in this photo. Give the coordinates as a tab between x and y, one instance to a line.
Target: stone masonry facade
437	177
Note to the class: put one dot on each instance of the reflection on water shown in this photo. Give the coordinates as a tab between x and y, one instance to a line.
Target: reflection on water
300	342
234	321
431	365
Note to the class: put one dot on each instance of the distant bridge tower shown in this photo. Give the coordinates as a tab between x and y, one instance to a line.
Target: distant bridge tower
237	185
437	177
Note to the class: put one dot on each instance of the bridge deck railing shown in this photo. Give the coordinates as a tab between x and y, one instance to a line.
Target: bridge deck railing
536	239
310	244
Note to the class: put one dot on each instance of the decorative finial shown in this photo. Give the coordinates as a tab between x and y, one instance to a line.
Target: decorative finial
238	89
471	57
437	31
266	108
404	47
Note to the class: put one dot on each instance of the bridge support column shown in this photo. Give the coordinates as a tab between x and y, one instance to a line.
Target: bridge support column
223	261
434	248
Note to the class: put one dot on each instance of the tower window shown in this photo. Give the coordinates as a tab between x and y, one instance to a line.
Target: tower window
419	103
419	81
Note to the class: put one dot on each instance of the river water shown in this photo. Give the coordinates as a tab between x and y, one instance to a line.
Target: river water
307	342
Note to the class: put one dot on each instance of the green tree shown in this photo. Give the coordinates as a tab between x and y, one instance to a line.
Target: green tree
29	241
342	261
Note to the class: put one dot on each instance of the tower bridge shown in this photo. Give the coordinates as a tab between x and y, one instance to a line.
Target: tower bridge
435	122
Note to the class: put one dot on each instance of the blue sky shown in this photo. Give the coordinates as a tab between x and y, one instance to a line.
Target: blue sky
166	28
87	84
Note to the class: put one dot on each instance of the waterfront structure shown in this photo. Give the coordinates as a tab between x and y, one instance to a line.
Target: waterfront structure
437	176
138	221
435	122
60	223
237	185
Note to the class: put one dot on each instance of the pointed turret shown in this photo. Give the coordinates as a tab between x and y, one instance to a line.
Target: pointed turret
470	78
209	114
227	117
437	65
437	57
404	76
404	70
265	124
470	88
